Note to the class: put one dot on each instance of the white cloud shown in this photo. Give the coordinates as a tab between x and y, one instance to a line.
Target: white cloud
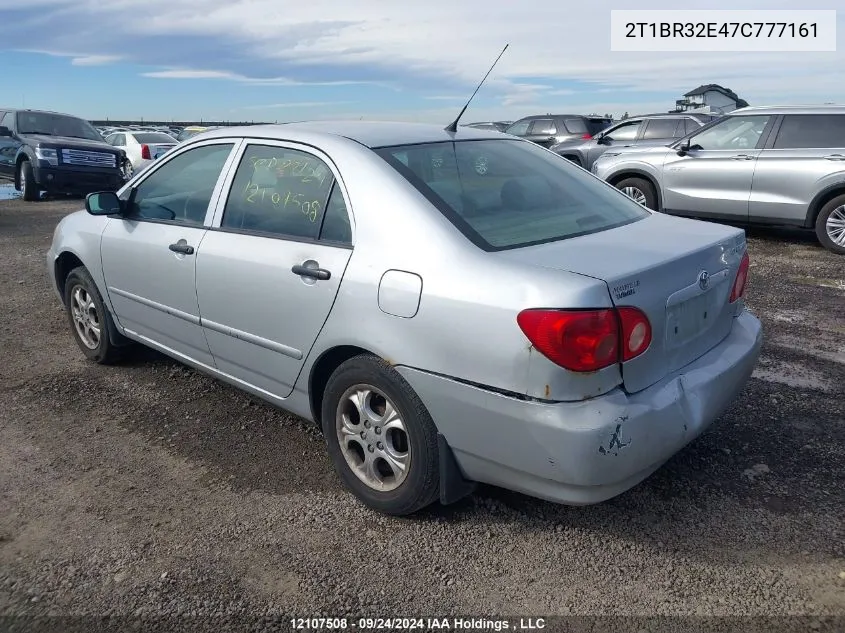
95	60
295	104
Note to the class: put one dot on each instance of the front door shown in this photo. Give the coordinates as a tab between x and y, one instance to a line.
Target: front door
149	255
8	145
270	268
714	178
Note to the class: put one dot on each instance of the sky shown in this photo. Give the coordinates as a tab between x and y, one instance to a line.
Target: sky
278	60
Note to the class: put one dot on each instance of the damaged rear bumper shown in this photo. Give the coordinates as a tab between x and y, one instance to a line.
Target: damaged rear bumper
589	451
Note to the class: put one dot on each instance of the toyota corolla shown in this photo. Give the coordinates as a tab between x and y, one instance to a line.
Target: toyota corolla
526	325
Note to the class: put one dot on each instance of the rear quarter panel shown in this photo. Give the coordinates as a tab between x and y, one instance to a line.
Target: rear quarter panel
465	326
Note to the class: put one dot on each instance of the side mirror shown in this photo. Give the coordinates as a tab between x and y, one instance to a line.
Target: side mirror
4	131
683	148
103	203
603	139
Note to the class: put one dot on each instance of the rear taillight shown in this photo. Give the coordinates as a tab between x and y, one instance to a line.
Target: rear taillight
587	340
587	136
738	290
145	152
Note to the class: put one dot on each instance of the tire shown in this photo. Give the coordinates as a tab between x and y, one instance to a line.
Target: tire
26	182
830	225
639	186
86	314
380	384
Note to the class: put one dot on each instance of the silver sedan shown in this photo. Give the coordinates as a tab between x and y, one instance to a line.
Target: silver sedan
527	326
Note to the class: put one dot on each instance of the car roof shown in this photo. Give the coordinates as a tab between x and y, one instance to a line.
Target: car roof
371	134
791	109
694	115
569	116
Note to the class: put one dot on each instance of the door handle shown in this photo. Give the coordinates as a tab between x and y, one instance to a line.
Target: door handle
315	273
835	157
742	157
182	247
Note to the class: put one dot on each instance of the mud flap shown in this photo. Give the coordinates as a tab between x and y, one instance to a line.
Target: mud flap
453	485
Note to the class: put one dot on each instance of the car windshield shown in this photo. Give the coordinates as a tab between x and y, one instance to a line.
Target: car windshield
56	125
506	194
153	137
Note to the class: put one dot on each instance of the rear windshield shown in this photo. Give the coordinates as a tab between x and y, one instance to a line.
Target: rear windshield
153	137
506	194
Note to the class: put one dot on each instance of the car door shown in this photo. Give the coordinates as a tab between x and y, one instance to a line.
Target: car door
807	150
619	135
270	268
8	145
713	179
149	254
543	132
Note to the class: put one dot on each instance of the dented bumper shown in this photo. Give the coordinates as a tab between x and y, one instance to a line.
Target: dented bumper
589	451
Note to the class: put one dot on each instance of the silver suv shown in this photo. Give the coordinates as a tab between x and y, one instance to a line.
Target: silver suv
647	129
766	165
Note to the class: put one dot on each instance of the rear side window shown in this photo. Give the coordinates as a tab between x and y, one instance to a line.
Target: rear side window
504	194
278	190
576	126
661	128
811	131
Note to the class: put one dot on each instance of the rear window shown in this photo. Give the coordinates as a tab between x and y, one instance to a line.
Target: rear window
505	194
594	126
811	131
153	137
576	126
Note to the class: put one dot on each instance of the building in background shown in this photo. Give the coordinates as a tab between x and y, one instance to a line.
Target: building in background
710	98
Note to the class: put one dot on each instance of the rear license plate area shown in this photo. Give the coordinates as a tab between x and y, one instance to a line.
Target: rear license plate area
690	319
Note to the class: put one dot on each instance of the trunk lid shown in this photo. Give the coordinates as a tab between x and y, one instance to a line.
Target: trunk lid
157	150
657	265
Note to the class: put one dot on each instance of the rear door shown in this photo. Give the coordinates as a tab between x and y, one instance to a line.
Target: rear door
714	178
808	150
270	268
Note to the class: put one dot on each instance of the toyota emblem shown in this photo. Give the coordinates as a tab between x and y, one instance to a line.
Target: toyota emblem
703	279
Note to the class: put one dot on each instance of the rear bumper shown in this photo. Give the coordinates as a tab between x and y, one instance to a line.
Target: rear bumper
589	451
76	180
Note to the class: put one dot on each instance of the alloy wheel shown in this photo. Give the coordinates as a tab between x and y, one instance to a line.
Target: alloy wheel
86	320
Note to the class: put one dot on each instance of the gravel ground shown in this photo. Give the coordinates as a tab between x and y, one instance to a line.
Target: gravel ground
149	489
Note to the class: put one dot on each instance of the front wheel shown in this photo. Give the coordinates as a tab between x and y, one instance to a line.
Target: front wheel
830	225
26	182
639	190
89	319
380	437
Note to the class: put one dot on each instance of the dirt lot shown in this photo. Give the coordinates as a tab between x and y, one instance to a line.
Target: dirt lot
147	488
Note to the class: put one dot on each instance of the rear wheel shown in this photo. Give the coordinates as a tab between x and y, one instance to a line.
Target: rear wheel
89	319
26	182
830	225
639	190
381	438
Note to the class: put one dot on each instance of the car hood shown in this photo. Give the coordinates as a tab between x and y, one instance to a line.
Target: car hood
67	141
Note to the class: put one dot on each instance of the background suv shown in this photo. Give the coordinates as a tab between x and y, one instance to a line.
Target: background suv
57	153
548	129
771	165
653	129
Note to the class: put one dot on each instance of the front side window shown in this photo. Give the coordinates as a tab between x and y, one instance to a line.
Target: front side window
732	133
8	121
56	125
808	131
280	191
624	132
180	190
525	195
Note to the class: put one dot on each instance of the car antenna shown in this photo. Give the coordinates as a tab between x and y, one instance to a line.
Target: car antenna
453	126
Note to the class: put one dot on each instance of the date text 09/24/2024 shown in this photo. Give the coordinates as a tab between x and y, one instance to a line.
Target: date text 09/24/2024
420	624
